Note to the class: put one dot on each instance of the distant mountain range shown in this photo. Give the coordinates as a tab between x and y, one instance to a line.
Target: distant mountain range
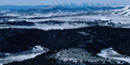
16	7
72	5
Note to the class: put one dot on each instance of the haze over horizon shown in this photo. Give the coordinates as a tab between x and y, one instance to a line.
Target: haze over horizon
52	2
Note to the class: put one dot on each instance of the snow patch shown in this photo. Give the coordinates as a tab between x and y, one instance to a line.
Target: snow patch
18	57
111	54
123	12
83	33
75	55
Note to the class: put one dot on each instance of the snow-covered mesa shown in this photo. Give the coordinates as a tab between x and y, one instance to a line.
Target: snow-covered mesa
81	55
75	55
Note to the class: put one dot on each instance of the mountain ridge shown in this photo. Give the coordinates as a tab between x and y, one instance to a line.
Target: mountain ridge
71	5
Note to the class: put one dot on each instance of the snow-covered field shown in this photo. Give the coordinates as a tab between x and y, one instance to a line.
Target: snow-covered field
118	17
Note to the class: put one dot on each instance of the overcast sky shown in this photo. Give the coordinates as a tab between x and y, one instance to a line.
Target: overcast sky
51	2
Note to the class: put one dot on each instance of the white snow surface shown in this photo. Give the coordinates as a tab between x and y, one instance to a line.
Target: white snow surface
111	54
18	57
81	55
75	55
122	12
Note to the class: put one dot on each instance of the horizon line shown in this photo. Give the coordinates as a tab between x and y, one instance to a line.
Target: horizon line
60	4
